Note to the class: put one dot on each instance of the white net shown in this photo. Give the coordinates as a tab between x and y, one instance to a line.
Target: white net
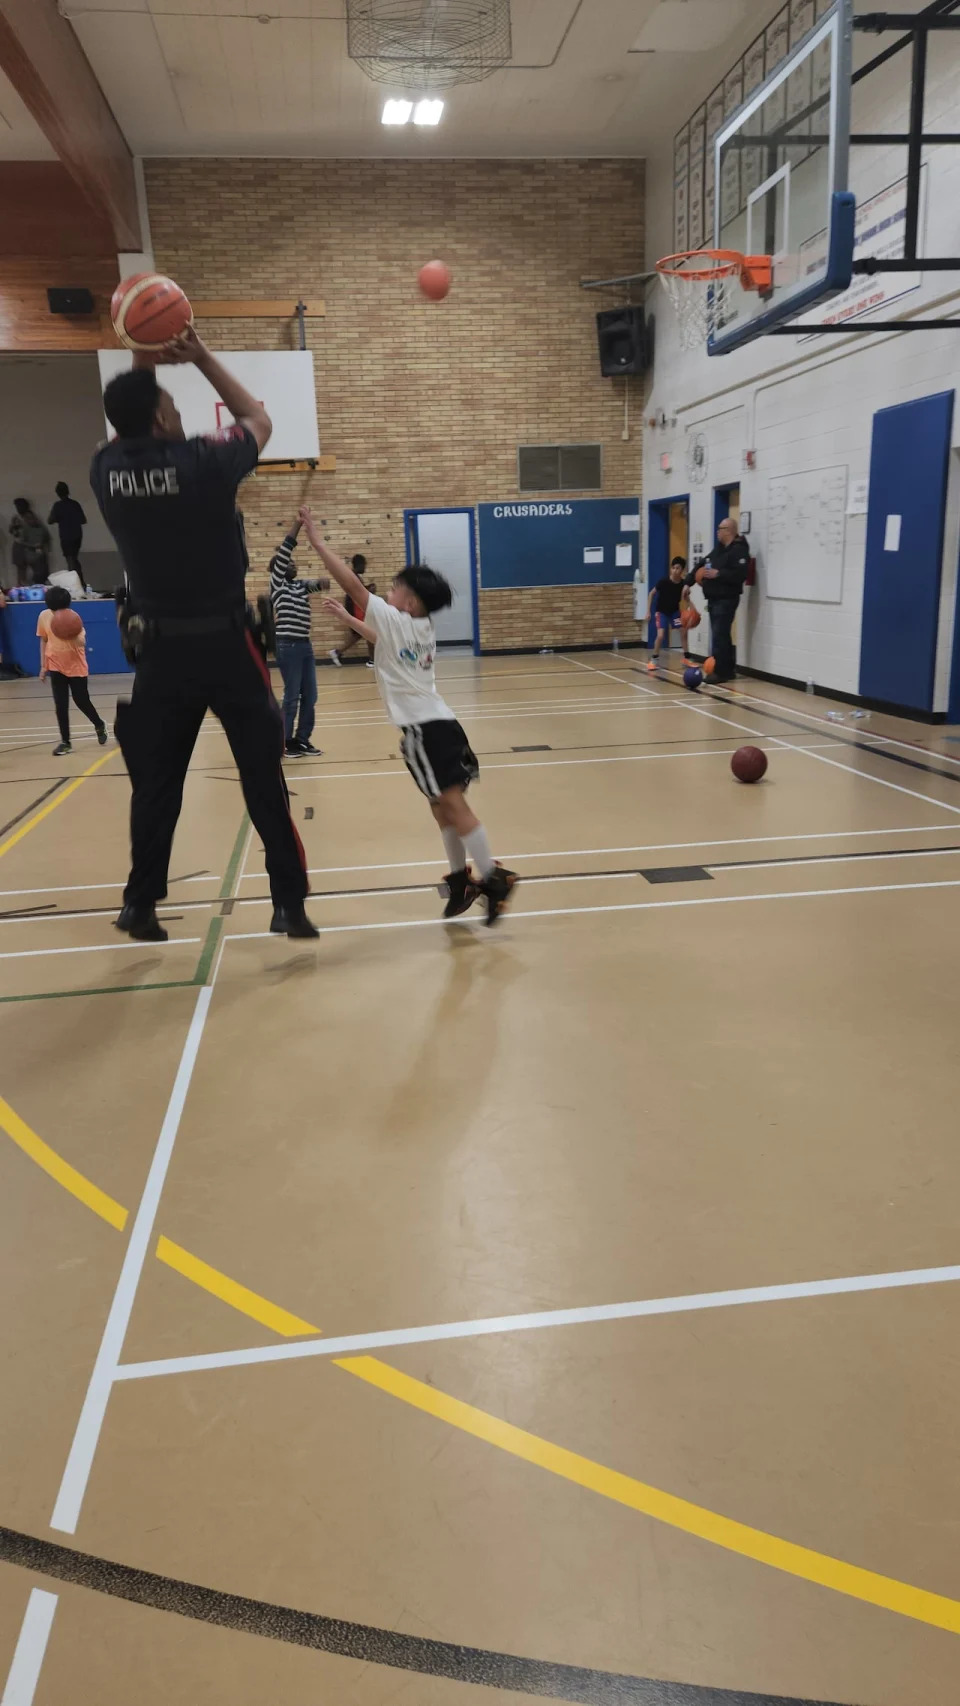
697	286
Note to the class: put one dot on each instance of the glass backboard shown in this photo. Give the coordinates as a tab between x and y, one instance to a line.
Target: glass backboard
781	163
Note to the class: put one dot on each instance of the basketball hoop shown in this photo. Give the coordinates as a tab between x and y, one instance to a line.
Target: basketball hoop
699	284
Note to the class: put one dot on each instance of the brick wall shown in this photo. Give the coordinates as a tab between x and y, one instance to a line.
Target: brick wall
423	404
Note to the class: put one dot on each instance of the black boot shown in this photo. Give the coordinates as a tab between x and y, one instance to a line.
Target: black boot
142	923
460	890
497	890
292	921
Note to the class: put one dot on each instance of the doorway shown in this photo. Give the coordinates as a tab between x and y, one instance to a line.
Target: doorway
726	505
668	535
444	540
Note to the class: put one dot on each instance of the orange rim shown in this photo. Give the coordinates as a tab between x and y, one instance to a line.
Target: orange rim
755	271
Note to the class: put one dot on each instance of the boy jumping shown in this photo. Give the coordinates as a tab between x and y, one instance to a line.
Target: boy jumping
434	746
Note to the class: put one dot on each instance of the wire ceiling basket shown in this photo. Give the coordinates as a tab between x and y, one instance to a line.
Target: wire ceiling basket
429	44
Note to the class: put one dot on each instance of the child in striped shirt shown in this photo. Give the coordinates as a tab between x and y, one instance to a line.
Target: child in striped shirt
295	659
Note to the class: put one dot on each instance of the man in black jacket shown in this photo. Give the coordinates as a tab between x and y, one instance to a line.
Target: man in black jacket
723	578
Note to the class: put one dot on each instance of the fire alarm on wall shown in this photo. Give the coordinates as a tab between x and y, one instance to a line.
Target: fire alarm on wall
666	462
749	459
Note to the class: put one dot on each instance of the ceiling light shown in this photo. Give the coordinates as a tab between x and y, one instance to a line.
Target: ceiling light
396	112
428	112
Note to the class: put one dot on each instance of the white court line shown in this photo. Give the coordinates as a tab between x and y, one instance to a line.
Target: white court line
97	947
791	746
613	906
31	1646
86	888
76	1474
562	763
353	1342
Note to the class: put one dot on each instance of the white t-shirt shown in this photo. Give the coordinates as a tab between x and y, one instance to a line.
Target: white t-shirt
403	659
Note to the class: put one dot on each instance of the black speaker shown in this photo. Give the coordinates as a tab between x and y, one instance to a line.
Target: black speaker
70	300
622	341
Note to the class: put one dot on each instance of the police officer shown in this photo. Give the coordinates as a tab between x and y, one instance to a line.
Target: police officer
170	503
723	579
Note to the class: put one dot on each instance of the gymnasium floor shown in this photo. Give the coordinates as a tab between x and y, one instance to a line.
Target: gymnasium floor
666	1168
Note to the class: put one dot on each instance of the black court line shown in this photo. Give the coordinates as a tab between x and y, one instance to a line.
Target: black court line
828	858
30	911
532	749
34	804
365	1642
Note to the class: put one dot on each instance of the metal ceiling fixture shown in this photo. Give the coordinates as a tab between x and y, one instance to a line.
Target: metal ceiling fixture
429	44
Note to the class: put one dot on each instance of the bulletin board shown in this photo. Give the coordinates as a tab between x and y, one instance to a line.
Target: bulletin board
558	542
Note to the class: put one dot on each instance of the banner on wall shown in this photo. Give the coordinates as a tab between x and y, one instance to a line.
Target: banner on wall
282	380
558	542
881	222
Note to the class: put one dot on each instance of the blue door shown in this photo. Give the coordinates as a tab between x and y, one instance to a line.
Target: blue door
909	464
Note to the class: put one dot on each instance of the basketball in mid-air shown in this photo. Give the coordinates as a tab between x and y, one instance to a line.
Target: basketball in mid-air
65	625
749	764
148	310
435	280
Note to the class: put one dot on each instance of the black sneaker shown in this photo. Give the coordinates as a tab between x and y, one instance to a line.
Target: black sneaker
497	891
292	921
310	751
62	750
142	923
459	890
293	749
102	735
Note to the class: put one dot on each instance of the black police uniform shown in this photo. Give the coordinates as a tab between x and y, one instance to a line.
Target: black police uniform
171	507
732	563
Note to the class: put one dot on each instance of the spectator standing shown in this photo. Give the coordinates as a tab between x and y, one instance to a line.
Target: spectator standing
295	659
30	543
722	579
68	518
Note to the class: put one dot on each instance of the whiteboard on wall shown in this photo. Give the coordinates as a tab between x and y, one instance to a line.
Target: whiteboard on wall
806	529
282	380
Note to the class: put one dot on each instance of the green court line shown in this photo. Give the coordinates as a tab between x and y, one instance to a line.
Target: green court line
204	963
227	886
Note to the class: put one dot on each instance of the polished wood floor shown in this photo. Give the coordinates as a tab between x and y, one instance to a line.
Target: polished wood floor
437	1315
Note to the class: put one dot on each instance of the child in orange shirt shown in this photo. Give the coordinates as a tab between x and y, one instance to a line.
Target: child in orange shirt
65	661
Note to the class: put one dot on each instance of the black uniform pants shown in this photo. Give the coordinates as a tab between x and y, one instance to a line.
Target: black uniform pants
722	614
178	679
63	687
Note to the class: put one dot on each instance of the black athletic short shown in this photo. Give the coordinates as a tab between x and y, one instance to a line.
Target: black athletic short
438	756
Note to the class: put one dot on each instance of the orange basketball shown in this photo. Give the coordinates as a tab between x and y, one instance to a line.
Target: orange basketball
435	280
689	618
708	666
148	310
65	625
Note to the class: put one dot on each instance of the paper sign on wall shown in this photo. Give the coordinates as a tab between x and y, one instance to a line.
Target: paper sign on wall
858	502
630	523
624	556
593	554
891	538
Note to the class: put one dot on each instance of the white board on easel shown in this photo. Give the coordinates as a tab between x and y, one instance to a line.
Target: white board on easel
282	380
805	535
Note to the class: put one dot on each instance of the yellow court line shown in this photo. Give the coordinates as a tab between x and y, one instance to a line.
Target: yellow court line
86	1192
230	1291
753	1543
51	805
238	1296
817	1567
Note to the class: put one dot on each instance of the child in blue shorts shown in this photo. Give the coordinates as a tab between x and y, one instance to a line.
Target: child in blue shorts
671	596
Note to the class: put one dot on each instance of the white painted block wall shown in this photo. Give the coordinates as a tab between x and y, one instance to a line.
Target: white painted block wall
803	406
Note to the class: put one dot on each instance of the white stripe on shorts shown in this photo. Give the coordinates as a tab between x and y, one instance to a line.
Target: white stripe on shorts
427	766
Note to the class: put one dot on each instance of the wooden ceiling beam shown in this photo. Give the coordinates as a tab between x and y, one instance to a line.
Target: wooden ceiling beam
53	77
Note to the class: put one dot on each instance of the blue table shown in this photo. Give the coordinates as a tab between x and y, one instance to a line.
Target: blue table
19	643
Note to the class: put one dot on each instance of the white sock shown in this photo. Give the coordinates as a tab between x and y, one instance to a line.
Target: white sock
478	847
456	852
